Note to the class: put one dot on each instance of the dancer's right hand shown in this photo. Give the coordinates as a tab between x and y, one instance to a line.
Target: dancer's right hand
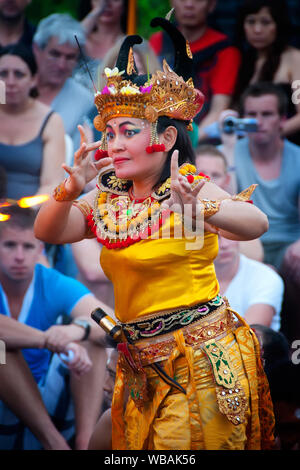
84	169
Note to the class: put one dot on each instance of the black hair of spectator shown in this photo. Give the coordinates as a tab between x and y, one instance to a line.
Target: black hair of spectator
2	182
25	54
284	382
259	89
85	6
275	346
279	12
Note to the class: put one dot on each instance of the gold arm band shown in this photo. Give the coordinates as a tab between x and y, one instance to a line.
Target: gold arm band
210	207
245	195
85	209
83	206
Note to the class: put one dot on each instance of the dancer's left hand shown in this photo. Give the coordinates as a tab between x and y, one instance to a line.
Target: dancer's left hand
183	198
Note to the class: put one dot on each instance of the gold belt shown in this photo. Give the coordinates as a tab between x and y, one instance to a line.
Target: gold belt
165	322
214	326
203	333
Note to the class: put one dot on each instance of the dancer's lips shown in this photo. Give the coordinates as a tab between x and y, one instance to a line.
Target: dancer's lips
120	160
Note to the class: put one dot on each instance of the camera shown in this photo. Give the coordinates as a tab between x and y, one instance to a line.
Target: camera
239	125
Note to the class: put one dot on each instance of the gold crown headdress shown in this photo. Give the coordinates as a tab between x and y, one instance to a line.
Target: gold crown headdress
166	93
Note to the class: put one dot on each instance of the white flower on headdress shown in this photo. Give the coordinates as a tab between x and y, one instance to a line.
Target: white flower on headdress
112	72
129	90
109	90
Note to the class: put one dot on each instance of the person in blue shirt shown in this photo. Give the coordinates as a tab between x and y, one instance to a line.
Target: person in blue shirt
32	298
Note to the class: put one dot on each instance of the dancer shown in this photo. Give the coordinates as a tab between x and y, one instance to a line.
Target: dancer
190	367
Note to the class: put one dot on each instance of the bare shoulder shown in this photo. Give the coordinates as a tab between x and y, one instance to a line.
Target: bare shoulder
290	55
42	111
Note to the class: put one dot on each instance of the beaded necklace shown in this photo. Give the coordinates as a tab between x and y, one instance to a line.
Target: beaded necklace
118	220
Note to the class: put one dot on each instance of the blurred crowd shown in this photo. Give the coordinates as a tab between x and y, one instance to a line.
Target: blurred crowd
247	64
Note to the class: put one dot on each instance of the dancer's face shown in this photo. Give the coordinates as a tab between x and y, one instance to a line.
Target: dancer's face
127	141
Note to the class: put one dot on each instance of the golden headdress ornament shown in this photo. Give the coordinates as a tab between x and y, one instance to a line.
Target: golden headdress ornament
166	93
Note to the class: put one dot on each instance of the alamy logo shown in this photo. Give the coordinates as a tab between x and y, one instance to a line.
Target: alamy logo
295	357
296	94
2	352
2	92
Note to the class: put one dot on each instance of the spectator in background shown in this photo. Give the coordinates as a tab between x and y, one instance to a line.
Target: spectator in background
216	61
14	26
32	146
105	25
57	54
34	296
224	18
263	31
101	437
252	288
284	379
212	163
274	164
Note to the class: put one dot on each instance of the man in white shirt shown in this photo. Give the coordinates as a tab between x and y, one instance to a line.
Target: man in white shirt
253	289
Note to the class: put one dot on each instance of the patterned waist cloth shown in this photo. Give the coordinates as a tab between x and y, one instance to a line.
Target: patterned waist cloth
152	340
200	323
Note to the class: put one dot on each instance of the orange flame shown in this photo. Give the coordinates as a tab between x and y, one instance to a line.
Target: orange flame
24	202
4	217
33	200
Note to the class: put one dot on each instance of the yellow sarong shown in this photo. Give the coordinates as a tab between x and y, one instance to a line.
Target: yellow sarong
174	421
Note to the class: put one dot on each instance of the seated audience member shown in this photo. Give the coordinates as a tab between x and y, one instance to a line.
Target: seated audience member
263	34
263	157
274	345
101	437
86	255
252	288
212	162
225	15
273	163
216	61
284	381
283	377
32	146
22	402
105	25
14	26
57	53
32	298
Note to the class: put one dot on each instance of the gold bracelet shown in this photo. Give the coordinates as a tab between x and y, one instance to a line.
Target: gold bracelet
60	193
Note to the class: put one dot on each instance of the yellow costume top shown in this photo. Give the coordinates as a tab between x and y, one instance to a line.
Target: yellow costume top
161	274
224	402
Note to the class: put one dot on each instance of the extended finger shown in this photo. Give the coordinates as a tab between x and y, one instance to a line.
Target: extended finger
103	162
185	184
174	166
196	189
68	169
80	153
83	139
